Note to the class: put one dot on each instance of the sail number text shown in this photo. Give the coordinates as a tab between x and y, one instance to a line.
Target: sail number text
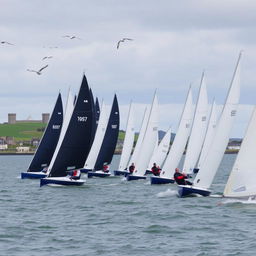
81	118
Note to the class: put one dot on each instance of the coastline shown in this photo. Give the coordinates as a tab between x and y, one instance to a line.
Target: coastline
116	153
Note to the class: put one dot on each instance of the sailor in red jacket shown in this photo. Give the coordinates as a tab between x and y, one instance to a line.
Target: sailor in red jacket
155	170
180	178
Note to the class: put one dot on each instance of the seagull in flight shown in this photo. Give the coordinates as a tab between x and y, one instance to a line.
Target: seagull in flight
122	40
39	72
72	37
5	42
47	57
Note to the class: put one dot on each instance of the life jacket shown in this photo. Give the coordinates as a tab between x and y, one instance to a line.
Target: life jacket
179	178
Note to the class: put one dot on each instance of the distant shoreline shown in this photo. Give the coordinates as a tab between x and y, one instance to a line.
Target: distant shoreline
32	153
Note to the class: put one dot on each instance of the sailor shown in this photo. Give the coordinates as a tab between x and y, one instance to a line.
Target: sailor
155	169
45	169
180	178
131	168
75	175
105	168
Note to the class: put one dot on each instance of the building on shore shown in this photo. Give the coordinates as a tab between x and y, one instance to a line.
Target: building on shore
12	119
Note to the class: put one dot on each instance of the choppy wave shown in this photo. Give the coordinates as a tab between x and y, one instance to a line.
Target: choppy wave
238	201
167	193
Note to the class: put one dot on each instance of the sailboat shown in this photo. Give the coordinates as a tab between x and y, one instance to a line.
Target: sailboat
74	145
109	142
99	135
127	145
178	146
148	144
208	136
242	179
161	151
43	155
205	176
198	130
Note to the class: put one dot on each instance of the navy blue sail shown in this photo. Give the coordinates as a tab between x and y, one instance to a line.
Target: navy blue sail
48	143
93	116
97	111
77	140
110	138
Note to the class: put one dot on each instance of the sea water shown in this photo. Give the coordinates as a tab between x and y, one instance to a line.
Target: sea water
111	216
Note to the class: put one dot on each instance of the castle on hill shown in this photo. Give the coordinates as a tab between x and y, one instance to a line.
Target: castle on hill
13	120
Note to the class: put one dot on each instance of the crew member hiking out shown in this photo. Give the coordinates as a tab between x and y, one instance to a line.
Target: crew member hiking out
155	170
180	178
131	168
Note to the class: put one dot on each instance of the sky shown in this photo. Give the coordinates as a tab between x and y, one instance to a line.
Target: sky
173	43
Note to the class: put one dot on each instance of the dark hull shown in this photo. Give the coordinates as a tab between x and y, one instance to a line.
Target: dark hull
33	175
192	191
85	170
61	181
121	173
159	180
98	174
133	177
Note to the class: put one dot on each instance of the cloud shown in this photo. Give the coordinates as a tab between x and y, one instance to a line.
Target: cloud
174	41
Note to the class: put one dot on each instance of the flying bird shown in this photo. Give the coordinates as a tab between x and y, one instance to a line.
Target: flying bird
72	37
47	57
122	40
39	72
5	42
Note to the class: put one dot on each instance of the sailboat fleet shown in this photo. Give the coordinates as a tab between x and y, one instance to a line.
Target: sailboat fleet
82	139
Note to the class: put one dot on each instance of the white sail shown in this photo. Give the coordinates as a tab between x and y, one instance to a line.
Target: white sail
198	130
128	140
209	134
68	112
99	135
149	140
242	179
205	176
137	148
180	140
161	151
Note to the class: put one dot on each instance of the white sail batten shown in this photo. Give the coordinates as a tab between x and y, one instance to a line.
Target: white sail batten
128	140
137	148
198	130
242	179
173	158
209	167
68	113
209	134
148	143
99	135
161	151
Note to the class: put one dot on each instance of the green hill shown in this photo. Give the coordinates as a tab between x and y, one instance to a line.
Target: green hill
22	131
